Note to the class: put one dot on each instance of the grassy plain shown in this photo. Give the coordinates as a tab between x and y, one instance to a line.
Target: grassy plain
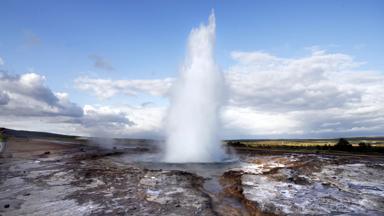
359	145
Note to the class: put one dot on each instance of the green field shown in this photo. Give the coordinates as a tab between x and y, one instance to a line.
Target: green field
357	145
308	142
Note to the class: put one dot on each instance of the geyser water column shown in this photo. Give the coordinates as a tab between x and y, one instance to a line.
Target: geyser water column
193	118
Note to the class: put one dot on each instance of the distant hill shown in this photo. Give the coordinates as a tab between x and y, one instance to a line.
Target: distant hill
34	134
37	134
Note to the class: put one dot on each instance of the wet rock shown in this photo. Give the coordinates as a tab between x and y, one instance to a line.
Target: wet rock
233	188
299	180
325	183
231	181
87	174
91	183
317	192
174	188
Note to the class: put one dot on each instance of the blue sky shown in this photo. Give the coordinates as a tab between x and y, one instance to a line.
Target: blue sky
146	39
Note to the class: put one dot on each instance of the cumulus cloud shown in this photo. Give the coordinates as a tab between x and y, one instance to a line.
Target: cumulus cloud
140	122
249	122
27	103
106	88
97	121
122	121
319	95
101	63
105	117
323	94
4	98
27	95
314	82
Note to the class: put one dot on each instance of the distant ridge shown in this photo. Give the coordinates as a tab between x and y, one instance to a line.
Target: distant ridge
34	134
38	134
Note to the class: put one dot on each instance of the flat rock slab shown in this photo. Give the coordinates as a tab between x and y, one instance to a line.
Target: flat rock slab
312	185
89	183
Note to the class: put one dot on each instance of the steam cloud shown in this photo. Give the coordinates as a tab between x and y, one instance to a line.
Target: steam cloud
192	124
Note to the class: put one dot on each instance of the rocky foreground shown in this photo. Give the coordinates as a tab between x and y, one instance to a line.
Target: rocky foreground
53	178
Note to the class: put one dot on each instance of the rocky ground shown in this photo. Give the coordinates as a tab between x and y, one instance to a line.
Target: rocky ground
310	185
52	178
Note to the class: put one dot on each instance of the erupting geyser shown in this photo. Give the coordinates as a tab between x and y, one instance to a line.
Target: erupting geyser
193	121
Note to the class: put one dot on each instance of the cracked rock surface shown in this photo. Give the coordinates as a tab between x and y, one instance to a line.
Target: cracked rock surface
90	183
75	179
313	185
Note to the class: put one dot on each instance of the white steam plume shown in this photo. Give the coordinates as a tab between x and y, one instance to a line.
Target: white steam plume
193	118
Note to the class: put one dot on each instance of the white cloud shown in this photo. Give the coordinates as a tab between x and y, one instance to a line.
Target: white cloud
248	122
4	98
26	95
320	95
148	120
324	94
26	103
97	121
106	88
313	82
1	61
103	121
120	121
253	57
